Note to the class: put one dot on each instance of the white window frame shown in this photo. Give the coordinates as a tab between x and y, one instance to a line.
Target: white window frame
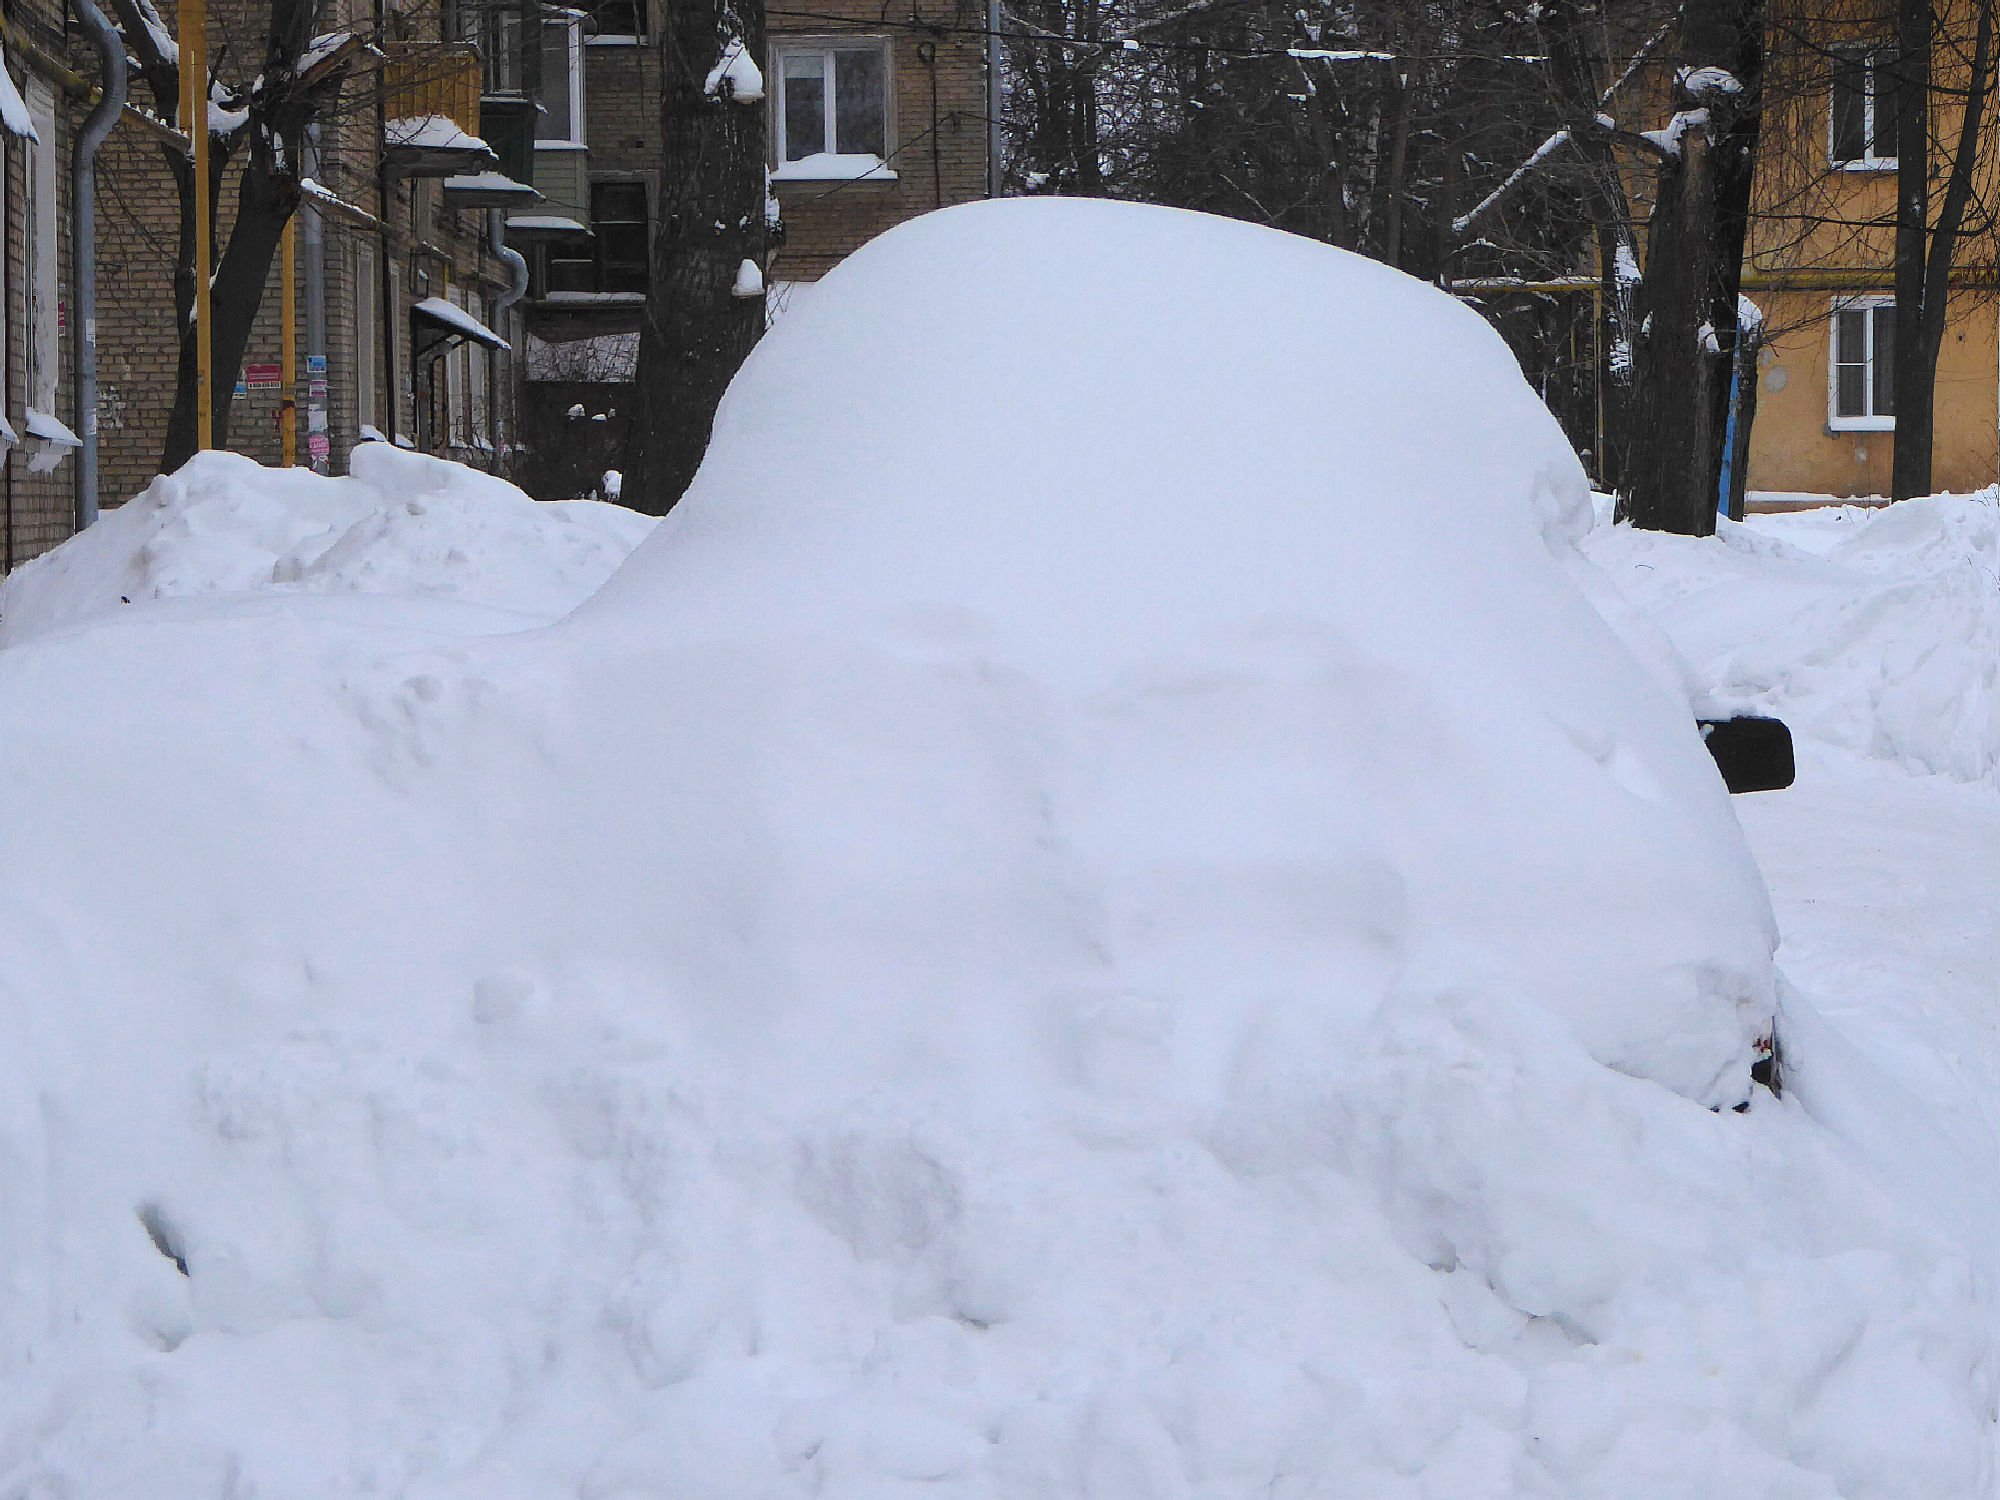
573	28
478	362
1869	160
367	335
626	38
44	272
1835	422
8	436
457	419
826	46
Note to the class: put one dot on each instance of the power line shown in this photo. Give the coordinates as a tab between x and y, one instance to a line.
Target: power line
1135	44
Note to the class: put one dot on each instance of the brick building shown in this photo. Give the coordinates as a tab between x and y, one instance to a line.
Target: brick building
474	253
873	120
405	180
41	101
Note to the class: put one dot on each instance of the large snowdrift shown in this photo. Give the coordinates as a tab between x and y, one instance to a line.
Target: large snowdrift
403	525
1145	943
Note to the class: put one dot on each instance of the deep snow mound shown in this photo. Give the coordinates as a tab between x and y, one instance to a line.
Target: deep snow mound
402	524
1077	957
1873	629
1179	486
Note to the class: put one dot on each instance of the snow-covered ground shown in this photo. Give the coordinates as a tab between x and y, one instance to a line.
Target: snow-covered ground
1876	634
1158	947
403	526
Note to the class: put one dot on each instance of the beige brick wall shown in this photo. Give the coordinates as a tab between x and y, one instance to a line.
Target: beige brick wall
433	250
938	148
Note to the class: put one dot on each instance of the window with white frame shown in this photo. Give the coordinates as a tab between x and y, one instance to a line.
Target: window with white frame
615	21
561	119
1861	372
367	329
830	113
7	434
1863	131
479	362
457	423
44	291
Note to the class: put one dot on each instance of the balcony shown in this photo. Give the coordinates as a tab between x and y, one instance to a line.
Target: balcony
431	100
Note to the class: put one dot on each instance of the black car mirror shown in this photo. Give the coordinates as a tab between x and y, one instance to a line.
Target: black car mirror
1754	754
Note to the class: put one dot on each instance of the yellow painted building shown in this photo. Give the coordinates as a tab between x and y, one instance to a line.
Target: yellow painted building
1819	269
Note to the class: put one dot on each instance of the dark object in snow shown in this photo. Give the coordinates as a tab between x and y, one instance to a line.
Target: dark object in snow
1754	754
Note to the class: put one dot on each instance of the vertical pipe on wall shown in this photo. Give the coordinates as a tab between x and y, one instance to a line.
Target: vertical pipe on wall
317	424
385	192
288	344
83	230
517	288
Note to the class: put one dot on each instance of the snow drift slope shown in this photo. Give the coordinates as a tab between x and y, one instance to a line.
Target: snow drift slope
403	524
1081	961
1874	630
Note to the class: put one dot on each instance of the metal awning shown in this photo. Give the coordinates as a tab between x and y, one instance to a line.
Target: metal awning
545	227
444	320
488	190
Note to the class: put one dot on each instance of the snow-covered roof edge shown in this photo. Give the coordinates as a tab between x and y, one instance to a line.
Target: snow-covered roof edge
457	320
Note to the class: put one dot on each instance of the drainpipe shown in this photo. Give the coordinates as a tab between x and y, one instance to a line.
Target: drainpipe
83	231
496	238
316	371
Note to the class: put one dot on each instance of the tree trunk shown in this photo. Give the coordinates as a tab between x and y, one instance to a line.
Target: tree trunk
1694	271
280	108
1925	248
1913	377
183	420
696	332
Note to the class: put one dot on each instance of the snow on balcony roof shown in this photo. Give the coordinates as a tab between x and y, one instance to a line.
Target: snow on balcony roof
51	429
489	189
456	320
13	108
544	224
432	133
321	48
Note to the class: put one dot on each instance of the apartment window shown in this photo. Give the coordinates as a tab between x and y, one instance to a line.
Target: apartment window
367	331
624	242
832	106
618	21
479	363
7	433
562	83
1861	394
44	291
568	265
1864	109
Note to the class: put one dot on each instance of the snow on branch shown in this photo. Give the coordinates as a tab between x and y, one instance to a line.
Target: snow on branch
1513	180
1667	139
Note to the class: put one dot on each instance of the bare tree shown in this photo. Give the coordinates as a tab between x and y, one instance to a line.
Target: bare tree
268	118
